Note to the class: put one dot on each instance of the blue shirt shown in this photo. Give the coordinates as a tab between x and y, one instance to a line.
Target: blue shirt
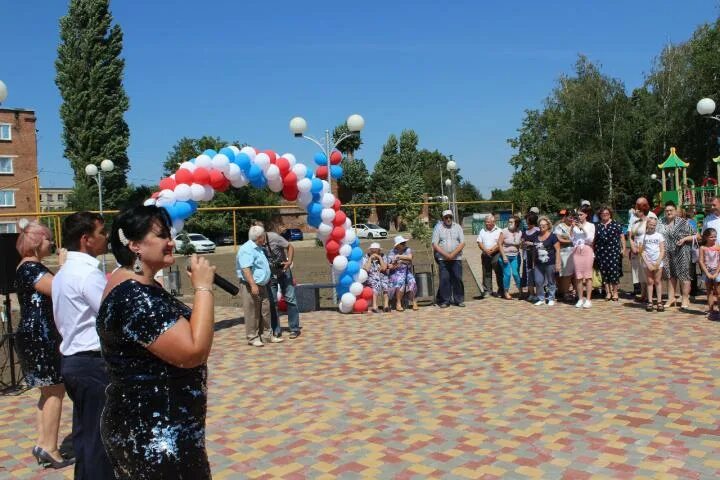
251	256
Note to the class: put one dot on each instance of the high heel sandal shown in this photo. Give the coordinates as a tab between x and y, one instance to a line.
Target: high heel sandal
661	307
46	460
649	307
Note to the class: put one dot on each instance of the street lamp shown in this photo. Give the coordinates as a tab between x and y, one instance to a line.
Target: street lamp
452	168
655	177
3	91
91	170
706	108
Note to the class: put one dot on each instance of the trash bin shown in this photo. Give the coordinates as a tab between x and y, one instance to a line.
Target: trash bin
172	281
425	287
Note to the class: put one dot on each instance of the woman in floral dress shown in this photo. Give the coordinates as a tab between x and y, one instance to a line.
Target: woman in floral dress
609	252
375	264
402	280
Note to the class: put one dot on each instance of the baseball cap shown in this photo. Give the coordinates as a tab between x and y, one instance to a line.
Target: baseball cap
374	245
534	210
584	202
446	213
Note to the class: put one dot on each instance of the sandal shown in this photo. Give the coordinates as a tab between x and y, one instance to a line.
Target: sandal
374	310
661	307
399	308
649	307
386	309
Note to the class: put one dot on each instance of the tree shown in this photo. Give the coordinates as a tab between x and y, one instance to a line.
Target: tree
348	146
355	179
89	75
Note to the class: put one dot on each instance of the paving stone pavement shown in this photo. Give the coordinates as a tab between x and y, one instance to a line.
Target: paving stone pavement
499	389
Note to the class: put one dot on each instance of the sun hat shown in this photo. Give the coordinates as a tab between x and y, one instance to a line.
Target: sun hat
399	239
446	213
374	245
584	202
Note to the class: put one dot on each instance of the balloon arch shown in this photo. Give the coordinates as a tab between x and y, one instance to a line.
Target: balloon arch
197	180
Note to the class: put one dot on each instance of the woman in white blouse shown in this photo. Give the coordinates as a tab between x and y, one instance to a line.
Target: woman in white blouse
582	236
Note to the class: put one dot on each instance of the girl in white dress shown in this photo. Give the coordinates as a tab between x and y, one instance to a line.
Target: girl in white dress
653	253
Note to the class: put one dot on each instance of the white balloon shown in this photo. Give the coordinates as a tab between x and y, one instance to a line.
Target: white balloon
209	192
149	202
172	176
197	192
262	160
327	215
235	149
349	236
348	224
275	184
361	276
345	250
183	192
328	200
356	288
322	237
178	225
272	172
249	151
304	186
300	170
340	263
290	158
203	161
234	172
348	299
304	198
345	308
324	229
220	162
188	166
326	186
241	181
166	198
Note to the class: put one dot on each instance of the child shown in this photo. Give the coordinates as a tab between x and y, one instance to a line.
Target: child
709	260
375	263
653	252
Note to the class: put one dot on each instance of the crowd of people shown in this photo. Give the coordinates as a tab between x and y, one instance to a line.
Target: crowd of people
133	358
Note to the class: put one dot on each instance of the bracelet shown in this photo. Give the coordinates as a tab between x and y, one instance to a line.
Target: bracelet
203	289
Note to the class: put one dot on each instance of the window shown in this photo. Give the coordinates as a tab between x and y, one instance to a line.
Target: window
49	197
5	131
7	198
6	165
61	197
7	227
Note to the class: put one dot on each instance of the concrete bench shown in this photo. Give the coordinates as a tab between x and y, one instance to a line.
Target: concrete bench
308	295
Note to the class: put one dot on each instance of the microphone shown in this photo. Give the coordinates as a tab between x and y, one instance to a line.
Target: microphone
223	283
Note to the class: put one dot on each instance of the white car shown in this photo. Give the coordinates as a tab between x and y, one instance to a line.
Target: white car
370	230
201	243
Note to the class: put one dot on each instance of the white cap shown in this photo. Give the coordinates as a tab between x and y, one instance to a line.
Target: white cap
584	202
374	245
534	210
446	213
400	239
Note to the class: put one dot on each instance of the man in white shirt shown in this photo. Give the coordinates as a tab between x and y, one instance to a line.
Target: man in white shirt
77	291
713	219
487	241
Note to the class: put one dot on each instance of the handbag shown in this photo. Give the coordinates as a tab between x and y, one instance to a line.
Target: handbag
596	278
695	252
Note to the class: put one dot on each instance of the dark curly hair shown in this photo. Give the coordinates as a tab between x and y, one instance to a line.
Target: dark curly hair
136	222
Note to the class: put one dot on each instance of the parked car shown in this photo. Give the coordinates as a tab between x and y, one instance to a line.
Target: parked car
226	239
370	230
201	243
292	234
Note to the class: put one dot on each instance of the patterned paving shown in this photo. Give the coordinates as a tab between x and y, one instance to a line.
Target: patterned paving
496	390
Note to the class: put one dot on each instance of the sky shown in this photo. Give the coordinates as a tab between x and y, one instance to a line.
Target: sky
460	73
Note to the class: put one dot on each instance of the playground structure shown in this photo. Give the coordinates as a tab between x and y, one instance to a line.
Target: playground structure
682	190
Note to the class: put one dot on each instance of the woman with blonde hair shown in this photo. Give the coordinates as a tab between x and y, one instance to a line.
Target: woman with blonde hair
38	340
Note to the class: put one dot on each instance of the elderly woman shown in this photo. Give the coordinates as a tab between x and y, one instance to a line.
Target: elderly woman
375	264
636	231
609	250
567	269
509	244
402	280
678	255
156	348
547	262
583	236
38	340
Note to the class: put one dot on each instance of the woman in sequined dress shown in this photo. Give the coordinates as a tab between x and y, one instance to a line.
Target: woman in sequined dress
38	340
156	348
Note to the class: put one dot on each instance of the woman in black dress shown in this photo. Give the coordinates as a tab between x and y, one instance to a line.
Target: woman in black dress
38	341
156	348
609	252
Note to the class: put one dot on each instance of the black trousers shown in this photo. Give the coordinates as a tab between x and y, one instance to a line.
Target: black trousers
491	264
85	381
451	288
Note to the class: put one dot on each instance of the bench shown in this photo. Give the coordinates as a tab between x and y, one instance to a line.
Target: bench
308	295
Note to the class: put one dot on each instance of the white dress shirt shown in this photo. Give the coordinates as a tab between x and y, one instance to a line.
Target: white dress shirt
76	294
489	238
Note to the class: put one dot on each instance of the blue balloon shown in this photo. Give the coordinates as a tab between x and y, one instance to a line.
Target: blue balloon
258	182
356	254
228	152
346	279
243	161
356	243
183	210
342	290
317	185
210	152
320	159
316	197
254	173
314	209
336	171
353	267
314	220
193	205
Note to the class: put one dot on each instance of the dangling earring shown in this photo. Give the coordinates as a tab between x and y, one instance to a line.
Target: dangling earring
137	265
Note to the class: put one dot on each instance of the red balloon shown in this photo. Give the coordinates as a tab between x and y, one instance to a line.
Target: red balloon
290	194
339	219
337	205
331	256
290	180
335	157
184	175
223	186
217	179
167	183
332	246
367	293
282	305
256	150
201	176
284	165
321	172
338	233
272	155
155	195
360	305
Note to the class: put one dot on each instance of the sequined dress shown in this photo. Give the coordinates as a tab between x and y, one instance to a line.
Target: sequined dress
38	341
153	425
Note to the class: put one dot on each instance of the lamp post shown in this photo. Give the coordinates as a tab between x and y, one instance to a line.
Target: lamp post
706	108
452	168
3	92
92	171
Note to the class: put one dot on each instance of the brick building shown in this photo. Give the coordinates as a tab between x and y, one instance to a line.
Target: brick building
18	165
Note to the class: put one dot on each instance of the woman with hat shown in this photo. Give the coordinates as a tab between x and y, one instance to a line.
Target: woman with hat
375	264
402	280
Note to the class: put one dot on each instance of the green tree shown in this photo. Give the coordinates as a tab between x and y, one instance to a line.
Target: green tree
355	179
348	146
89	76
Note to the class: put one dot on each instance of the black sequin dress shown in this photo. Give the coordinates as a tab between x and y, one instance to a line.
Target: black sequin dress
153	425
37	338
